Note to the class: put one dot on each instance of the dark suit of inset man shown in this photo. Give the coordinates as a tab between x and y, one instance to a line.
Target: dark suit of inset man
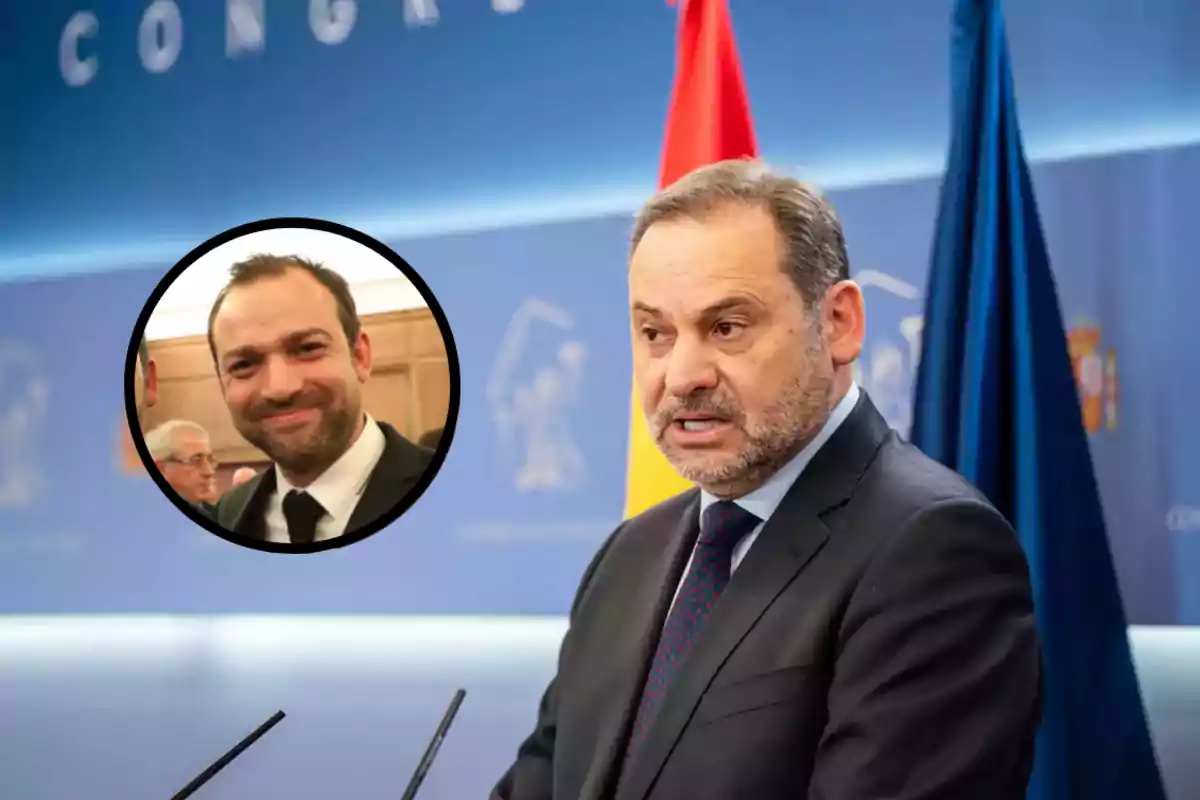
242	509
877	642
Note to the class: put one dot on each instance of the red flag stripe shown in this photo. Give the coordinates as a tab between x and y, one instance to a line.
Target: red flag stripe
709	117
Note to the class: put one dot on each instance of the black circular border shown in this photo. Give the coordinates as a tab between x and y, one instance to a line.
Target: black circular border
431	470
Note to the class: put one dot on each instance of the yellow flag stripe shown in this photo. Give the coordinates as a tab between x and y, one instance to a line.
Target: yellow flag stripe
650	478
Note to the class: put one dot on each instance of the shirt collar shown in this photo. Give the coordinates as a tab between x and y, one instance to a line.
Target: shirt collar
763	501
346	478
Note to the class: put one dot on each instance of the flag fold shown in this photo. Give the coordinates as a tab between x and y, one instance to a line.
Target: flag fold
996	400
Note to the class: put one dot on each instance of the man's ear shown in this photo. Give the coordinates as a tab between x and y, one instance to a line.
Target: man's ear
361	354
843	322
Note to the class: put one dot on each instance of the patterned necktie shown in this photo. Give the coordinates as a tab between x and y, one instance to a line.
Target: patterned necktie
724	525
302	512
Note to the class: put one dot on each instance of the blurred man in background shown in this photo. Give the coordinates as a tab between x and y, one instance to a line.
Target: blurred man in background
242	475
830	613
145	379
145	393
181	450
292	357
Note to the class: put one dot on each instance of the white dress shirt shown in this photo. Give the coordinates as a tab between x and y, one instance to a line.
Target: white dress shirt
763	501
338	489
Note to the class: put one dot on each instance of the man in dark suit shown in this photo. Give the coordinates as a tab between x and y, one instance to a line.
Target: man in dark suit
830	614
145	394
145	379
291	356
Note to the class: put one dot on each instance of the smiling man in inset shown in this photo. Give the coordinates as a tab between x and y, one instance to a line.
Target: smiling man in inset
292	357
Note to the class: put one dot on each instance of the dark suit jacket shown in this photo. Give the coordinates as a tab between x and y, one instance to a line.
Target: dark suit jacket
877	643
243	508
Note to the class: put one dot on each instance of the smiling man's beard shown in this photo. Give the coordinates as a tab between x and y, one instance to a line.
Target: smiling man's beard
309	451
782	431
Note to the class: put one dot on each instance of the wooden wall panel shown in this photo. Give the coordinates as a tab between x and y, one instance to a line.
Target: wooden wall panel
432	386
409	385
388	396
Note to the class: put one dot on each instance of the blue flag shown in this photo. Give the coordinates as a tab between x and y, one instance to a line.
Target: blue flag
996	400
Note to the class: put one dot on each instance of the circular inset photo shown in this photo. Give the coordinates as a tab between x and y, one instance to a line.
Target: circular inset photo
292	386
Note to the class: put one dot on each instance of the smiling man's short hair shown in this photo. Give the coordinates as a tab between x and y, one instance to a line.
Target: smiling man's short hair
257	267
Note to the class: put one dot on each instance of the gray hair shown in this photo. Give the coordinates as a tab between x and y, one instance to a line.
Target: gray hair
162	441
815	248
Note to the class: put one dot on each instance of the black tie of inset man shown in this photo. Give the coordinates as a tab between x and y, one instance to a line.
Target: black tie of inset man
302	512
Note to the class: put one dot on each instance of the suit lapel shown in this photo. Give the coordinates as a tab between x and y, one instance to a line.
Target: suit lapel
393	477
788	541
249	519
647	612
776	558
383	490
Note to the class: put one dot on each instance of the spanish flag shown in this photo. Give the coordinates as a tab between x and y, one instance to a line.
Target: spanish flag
708	121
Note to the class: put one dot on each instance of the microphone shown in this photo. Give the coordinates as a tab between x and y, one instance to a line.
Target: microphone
223	761
430	752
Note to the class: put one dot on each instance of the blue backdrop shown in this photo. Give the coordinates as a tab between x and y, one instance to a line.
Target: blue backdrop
534	480
481	117
434	134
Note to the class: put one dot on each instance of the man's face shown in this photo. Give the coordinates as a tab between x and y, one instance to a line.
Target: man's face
192	470
291	380
733	375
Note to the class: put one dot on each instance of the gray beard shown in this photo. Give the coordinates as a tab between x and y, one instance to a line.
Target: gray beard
802	410
790	425
316	455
